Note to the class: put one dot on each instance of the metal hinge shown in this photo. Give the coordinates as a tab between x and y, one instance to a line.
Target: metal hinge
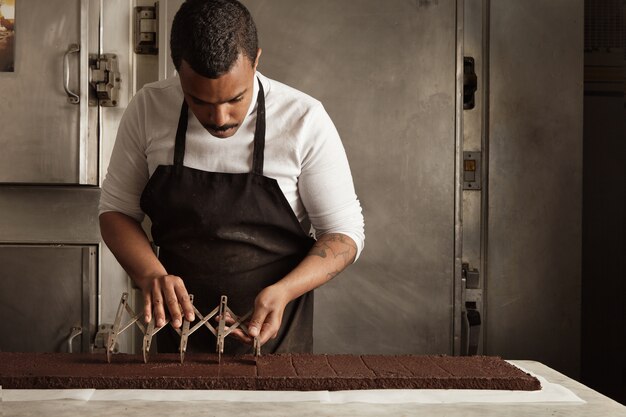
145	30
105	78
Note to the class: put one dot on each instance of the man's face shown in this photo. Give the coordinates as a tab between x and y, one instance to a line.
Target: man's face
220	104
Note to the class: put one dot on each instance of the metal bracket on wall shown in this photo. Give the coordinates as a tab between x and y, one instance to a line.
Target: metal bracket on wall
145	32
105	78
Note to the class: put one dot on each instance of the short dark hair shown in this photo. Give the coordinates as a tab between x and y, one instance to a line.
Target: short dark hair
210	34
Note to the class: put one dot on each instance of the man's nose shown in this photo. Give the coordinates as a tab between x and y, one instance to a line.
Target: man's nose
220	115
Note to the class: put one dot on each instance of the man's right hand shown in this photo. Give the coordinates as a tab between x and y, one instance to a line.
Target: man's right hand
131	247
166	290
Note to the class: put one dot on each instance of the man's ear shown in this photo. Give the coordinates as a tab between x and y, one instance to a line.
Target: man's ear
256	60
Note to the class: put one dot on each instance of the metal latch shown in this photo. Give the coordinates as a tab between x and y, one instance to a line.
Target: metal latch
470	316
470	83
471	276
145	32
105	78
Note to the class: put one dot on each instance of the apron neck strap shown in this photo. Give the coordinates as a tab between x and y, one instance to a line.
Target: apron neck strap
259	134
181	133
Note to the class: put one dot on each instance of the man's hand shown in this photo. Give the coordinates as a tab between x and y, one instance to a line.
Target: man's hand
131	247
166	290
269	307
330	255
267	316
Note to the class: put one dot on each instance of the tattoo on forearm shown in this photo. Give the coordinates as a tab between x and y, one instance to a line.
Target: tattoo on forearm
318	251
335	246
332	275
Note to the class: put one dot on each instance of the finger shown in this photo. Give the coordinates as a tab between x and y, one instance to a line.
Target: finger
227	319
172	306
147	307
226	314
256	321
270	327
157	302
185	301
241	336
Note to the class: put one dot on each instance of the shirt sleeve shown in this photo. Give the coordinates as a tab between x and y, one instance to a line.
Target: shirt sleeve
127	173
325	184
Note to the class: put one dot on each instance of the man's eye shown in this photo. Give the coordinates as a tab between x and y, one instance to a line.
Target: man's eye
237	100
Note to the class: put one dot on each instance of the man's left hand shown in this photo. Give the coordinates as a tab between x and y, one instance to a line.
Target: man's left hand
267	316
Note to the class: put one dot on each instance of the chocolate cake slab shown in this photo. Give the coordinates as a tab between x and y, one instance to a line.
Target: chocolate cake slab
293	372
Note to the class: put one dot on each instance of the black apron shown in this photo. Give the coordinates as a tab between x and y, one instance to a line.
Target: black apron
228	234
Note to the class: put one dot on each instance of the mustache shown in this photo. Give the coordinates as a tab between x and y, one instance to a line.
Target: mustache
222	128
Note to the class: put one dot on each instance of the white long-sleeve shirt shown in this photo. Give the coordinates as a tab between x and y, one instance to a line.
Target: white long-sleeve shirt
303	152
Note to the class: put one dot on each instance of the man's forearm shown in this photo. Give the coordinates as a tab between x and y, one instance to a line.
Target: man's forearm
330	255
130	245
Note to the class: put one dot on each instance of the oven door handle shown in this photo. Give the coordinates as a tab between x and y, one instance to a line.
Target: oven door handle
72	97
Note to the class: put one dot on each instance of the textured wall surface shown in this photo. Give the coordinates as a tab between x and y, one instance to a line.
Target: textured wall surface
533	289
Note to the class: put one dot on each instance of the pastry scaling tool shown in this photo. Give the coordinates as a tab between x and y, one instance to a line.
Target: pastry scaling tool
204	321
220	332
118	329
221	328
150	332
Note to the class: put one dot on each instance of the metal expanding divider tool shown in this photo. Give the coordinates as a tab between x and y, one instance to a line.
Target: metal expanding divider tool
220	332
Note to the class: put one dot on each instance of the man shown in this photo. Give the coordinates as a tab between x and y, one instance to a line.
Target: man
232	188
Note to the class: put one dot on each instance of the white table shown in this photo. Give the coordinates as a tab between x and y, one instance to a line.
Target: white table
597	405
